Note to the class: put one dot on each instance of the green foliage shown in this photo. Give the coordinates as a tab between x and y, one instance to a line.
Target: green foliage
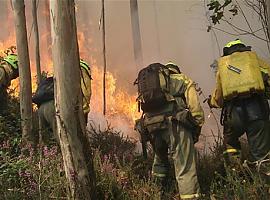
242	184
120	182
218	9
33	176
10	128
209	164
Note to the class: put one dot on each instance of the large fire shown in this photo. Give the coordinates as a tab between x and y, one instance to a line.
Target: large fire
121	108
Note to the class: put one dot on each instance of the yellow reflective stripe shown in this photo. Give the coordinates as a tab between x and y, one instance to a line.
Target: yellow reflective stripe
171	63
83	65
197	113
233	43
231	151
158	175
189	196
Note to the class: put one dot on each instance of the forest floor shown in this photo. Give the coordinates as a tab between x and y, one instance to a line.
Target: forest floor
121	173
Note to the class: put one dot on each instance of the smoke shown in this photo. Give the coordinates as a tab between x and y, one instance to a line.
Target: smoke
170	30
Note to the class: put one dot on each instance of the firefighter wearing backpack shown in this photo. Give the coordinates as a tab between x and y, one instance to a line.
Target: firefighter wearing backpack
172	117
44	98
8	71
242	89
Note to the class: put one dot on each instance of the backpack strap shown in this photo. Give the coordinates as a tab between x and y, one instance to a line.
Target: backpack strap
167	78
180	93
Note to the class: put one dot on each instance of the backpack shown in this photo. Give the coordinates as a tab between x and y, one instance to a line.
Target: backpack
153	87
240	75
44	92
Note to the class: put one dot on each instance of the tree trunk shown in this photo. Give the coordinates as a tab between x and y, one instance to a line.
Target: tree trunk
24	71
48	27
136	33
267	3
74	145
104	56
36	33
4	15
157	29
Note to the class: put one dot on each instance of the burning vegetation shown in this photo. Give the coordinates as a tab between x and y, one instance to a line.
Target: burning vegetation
103	158
121	106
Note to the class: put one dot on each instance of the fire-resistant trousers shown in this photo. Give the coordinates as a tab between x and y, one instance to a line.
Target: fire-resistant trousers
46	113
47	116
177	142
250	116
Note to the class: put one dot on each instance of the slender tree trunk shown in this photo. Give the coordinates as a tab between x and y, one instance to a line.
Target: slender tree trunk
104	57
267	13
37	56
267	3
24	71
48	27
74	145
157	29
136	33
4	15
36	33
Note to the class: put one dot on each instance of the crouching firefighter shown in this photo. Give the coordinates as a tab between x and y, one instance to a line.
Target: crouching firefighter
172	119
44	98
8	71
242	89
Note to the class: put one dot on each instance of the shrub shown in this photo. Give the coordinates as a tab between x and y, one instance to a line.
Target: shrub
121	172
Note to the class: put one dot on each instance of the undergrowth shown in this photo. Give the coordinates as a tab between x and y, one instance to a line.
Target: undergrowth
121	172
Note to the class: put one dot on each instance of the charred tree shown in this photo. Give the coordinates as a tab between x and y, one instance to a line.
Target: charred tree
136	33
36	34
24	71
74	145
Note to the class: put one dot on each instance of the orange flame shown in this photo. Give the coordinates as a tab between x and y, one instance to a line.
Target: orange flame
119	102
121	106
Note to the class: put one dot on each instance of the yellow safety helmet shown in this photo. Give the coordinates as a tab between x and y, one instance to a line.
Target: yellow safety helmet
12	59
173	67
234	42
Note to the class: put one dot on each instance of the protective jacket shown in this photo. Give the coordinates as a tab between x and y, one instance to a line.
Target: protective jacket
217	100
175	126
183	92
190	96
86	89
245	113
7	73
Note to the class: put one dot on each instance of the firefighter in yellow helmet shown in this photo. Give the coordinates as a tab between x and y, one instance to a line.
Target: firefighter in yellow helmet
173	125
242	90
44	98
8	71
